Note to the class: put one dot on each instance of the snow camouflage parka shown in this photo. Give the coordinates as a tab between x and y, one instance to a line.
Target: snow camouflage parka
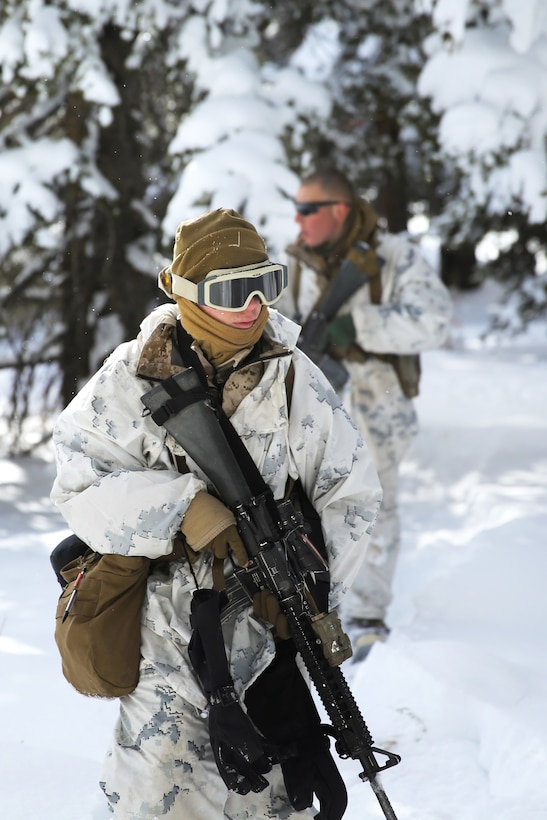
118	489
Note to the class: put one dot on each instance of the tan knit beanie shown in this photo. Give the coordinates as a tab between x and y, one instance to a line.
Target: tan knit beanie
216	239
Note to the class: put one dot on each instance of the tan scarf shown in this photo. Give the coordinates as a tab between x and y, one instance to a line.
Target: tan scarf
219	342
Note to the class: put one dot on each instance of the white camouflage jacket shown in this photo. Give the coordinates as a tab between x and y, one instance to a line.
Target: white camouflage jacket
413	317
119	490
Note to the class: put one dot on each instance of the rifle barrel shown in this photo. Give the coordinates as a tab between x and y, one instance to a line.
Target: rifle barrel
383	799
350	731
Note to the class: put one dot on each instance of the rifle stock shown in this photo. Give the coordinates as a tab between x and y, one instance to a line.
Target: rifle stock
282	562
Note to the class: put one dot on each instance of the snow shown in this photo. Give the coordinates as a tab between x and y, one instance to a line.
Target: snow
460	688
487	79
231	143
26	171
492	99
45	39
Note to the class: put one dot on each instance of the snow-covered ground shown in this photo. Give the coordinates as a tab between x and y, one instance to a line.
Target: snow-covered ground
459	690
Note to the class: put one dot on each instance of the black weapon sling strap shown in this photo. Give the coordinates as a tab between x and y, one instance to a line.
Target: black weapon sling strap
327	296
256	483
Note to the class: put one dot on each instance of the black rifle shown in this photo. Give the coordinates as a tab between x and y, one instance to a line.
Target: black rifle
349	279
282	559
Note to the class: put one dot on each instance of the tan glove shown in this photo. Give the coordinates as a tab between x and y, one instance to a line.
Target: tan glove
209	525
266	606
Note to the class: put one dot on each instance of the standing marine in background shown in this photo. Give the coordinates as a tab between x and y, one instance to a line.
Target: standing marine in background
399	309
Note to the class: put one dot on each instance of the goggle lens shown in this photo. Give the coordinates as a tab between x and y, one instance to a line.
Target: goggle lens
234	294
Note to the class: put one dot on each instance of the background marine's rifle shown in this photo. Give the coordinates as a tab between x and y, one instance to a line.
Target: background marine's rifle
348	279
282	560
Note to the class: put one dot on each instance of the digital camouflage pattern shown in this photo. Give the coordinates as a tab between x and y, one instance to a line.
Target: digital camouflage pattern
118	489
159	764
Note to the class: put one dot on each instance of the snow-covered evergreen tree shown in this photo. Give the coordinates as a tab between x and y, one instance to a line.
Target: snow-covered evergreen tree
118	119
89	101
486	75
100	161
248	115
369	54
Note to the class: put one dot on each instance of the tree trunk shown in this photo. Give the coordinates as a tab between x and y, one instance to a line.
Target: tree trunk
120	159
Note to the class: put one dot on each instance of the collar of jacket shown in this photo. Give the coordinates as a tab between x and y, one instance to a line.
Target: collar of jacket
160	356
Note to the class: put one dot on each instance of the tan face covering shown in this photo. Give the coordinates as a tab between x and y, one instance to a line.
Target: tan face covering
218	341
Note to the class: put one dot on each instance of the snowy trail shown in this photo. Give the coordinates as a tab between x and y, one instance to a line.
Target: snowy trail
461	687
459	690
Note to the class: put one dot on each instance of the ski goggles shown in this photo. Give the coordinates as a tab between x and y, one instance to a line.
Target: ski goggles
232	288
309	208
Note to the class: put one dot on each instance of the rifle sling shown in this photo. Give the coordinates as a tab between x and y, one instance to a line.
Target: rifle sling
190	358
252	475
341	289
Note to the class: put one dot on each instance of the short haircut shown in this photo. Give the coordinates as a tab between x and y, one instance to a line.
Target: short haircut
333	182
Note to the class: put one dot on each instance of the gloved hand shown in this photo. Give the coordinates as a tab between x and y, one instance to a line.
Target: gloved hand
266	606
237	747
209	525
281	706
340	332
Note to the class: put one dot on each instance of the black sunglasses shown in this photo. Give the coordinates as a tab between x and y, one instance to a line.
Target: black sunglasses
309	208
